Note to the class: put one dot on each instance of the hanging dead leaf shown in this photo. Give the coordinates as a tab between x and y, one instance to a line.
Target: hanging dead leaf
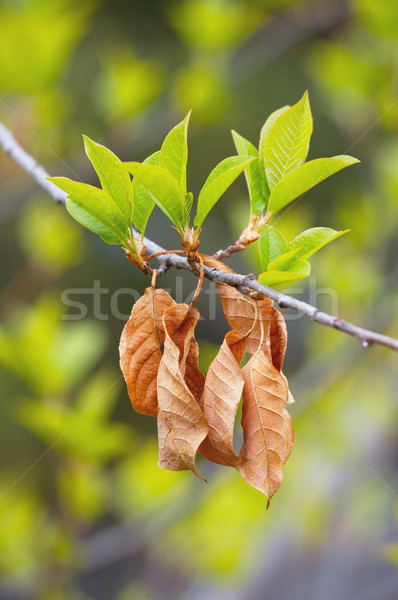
278	336
220	400
241	312
267	426
181	424
141	347
193	377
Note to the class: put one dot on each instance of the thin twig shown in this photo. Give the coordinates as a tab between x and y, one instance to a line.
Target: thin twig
365	336
25	160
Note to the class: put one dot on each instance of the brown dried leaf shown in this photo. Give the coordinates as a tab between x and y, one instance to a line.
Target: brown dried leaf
220	400
181	424
240	312
278	337
194	378
267	426
141	347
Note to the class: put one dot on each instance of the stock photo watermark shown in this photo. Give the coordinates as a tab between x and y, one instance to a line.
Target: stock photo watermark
104	304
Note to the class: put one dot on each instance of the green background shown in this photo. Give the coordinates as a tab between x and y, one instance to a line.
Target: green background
84	510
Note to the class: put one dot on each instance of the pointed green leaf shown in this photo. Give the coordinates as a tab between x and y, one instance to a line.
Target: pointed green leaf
272	244
95	209
287	142
310	241
221	177
143	200
85	218
266	128
174	152
304	178
299	270
113	177
285	260
165	189
188	206
252	173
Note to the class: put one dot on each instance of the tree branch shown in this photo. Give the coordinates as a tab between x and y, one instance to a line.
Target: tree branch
365	336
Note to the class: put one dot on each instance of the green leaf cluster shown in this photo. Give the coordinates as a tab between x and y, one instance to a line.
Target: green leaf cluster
161	179
276	174
284	262
165	179
279	173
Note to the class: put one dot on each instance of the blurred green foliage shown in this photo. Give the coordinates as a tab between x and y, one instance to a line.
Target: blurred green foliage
84	510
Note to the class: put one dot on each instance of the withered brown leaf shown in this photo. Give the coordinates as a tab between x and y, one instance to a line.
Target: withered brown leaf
181	424
267	426
241	312
278	337
141	347
220	400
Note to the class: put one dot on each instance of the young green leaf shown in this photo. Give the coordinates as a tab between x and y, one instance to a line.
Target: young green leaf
221	177
299	270
266	128
304	178
310	241
113	177
143	200
284	261
165	189
188	206
252	173
287	142
174	152
272	244
95	209
87	219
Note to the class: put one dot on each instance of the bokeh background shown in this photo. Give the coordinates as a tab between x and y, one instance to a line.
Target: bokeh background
85	513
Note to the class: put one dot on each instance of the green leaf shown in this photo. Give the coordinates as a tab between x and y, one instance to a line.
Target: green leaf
174	152
310	241
143	200
252	173
299	270
285	260
272	244
221	177
304	178
188	206
113	176
287	142
87	219
165	189
95	209
266	128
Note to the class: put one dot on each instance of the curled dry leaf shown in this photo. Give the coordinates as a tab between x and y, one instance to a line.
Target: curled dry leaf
220	400
267	426
181	424
141	347
242	311
278	337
